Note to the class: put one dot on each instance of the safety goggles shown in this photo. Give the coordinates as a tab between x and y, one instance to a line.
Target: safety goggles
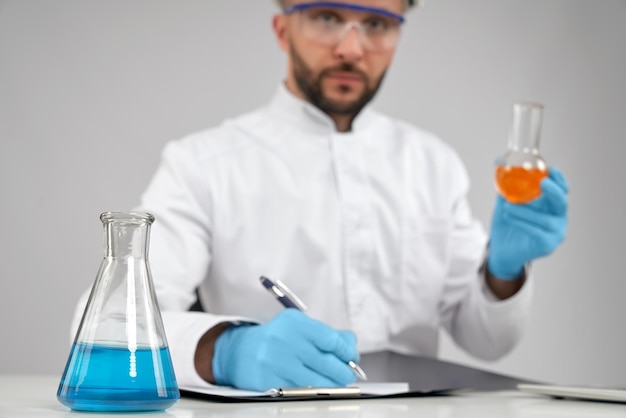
322	22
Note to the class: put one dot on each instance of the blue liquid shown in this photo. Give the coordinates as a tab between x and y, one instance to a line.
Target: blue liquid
103	378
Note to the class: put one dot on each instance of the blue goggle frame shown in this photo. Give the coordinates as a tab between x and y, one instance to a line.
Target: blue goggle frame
356	7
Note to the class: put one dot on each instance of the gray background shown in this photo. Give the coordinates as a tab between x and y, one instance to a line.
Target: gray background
90	91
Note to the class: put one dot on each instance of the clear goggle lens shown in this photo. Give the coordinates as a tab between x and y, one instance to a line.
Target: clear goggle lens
378	29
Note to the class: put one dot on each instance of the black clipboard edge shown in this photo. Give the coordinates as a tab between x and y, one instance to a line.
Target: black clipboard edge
266	398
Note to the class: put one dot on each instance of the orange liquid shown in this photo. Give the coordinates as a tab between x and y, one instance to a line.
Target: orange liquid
517	184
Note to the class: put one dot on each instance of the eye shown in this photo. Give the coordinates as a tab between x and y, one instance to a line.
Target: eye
377	25
324	17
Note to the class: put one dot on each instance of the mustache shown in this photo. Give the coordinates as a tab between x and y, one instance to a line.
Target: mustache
345	68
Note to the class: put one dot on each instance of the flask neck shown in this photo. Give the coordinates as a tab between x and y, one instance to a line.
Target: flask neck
126	234
526	127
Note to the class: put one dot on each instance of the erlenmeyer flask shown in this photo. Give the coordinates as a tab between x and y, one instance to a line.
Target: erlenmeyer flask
520	170
120	359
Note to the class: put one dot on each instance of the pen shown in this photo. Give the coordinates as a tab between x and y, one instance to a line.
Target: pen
289	300
311	391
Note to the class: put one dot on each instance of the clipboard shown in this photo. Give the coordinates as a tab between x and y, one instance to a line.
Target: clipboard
365	390
398	375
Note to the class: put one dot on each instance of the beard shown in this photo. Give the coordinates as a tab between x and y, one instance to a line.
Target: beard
311	86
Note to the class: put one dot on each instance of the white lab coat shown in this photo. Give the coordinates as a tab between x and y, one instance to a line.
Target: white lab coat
370	228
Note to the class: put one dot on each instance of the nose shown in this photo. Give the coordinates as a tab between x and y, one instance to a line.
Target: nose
350	48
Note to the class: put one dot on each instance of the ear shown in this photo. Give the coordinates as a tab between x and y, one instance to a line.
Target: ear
279	24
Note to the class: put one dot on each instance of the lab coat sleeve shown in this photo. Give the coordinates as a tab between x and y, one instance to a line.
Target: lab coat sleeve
180	239
180	249
487	328
484	327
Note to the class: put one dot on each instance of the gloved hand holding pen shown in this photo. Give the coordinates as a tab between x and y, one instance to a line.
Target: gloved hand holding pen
292	350
521	233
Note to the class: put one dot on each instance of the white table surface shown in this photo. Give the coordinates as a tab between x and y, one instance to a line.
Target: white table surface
35	396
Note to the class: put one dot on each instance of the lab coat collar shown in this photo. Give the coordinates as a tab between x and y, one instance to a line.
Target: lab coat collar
288	106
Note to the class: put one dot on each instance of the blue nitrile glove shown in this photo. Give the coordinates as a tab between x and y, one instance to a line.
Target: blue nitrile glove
292	350
521	233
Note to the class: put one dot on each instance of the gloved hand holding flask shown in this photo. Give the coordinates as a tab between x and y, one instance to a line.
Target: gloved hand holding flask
521	233
530	216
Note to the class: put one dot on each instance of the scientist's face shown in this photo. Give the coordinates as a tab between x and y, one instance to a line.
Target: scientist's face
338	55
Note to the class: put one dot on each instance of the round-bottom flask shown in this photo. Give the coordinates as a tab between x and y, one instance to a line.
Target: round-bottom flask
520	170
120	360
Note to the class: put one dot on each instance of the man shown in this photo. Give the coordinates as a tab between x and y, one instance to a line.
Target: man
364	217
